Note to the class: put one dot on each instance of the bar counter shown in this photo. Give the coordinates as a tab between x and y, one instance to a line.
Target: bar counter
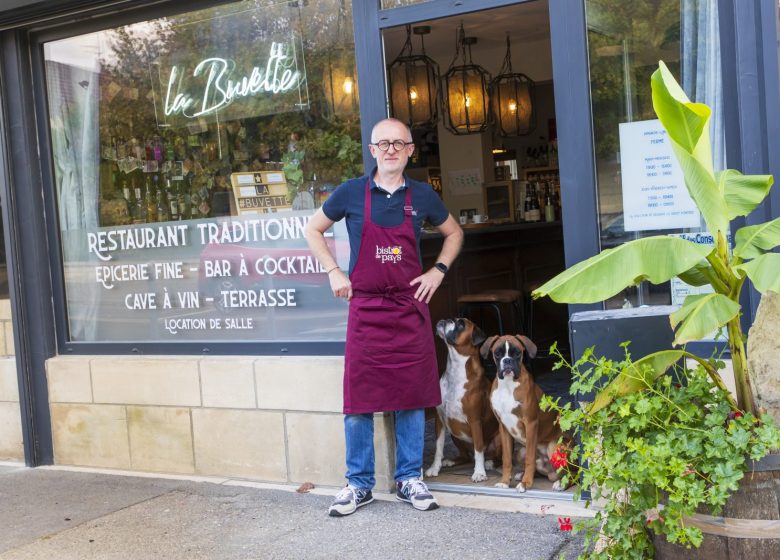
518	256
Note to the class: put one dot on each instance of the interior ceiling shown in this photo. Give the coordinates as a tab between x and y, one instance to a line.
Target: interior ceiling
525	22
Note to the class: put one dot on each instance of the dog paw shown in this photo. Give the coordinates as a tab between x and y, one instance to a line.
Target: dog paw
447	463
501	485
521	488
558	486
431	472
489	465
479	477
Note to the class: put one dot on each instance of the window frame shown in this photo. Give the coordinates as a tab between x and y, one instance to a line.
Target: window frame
65	345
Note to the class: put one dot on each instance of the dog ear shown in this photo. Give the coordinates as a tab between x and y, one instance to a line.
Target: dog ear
477	336
530	347
485	350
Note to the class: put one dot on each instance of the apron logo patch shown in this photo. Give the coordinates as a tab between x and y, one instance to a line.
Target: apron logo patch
389	254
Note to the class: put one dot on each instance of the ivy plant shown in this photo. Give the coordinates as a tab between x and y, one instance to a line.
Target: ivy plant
653	455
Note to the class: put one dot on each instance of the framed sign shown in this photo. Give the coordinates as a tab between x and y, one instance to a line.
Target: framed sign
260	192
654	193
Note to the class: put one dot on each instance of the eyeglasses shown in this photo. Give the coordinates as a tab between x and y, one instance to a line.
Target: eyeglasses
399	145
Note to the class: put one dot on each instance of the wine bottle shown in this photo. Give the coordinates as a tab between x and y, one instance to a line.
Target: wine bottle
150	203
173	200
163	213
549	208
139	215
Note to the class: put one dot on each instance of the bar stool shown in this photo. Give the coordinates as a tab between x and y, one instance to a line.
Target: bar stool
494	299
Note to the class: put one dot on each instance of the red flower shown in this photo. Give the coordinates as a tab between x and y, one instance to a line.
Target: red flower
733	415
559	459
565	523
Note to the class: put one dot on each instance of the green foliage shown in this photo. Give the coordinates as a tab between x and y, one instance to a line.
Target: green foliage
719	197
292	171
335	154
652	457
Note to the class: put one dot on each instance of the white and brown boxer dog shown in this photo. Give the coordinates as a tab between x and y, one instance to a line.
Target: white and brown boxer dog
465	407
515	400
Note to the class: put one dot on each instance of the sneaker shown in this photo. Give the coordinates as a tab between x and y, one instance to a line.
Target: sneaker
348	500
416	493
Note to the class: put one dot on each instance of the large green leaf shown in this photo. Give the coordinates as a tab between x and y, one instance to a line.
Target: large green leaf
636	377
700	315
764	271
743	192
703	189
753	241
687	126
644	371
656	259
697	276
685	122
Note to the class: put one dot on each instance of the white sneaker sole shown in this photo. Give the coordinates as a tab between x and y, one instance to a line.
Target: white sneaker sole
431	506
337	513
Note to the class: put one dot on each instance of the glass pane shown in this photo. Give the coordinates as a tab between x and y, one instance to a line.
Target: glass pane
189	153
640	187
398	3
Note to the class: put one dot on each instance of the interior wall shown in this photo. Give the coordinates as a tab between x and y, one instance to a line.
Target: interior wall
461	153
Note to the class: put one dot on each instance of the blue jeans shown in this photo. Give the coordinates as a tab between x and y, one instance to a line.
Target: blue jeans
409	438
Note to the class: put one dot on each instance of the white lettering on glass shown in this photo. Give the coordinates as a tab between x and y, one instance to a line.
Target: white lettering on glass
277	76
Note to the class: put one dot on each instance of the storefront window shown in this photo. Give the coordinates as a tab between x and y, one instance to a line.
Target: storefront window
640	186
189	153
386	4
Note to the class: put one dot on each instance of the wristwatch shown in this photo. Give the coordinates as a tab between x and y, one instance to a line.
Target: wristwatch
441	267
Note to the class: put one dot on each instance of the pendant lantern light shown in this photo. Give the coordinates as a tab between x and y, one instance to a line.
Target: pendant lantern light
513	100
466	89
414	84
339	76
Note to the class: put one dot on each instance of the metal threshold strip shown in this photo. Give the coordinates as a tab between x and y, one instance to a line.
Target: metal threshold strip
565	496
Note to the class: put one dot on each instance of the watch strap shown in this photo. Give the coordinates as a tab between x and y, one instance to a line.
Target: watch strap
441	267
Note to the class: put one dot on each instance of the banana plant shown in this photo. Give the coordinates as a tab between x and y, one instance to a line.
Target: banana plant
720	197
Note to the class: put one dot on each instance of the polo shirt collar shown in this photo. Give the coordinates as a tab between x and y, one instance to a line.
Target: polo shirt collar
377	187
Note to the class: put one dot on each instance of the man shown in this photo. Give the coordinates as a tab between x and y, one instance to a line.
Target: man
390	362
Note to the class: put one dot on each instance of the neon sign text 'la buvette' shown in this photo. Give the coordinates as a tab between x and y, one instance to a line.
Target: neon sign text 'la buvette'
220	90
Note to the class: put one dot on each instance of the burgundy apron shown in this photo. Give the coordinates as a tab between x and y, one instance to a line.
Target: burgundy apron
390	360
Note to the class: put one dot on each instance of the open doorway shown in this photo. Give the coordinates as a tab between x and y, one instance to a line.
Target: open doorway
504	188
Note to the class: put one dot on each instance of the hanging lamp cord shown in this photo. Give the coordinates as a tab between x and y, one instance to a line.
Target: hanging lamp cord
506	66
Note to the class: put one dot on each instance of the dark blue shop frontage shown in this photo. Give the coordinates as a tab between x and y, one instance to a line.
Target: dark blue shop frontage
159	161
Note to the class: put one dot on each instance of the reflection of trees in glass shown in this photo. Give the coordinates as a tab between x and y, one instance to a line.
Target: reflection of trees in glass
133	98
625	42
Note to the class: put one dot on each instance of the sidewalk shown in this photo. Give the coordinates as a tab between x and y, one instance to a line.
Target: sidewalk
64	514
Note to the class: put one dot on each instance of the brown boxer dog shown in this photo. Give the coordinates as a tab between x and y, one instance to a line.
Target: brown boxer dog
465	407
515	401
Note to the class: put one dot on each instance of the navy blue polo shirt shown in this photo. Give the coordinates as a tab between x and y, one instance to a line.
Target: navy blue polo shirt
387	209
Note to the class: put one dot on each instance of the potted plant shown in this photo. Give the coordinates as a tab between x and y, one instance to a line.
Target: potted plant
654	448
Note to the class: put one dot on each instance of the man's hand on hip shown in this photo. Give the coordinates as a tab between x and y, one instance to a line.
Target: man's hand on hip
428	284
340	284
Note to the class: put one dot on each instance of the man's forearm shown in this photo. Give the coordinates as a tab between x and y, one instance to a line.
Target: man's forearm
319	248
451	248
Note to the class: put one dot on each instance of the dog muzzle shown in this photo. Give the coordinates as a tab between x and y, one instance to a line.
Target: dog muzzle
507	367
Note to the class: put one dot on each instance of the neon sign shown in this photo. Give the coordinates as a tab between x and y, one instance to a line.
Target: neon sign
277	76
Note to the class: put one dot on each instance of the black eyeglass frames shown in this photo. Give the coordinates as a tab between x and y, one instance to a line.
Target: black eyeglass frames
399	145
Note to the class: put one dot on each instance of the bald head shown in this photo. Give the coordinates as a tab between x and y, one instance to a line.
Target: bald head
391	129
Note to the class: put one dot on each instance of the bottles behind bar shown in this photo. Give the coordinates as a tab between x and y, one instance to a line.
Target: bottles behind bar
173	200
139	207
163	212
149	202
549	208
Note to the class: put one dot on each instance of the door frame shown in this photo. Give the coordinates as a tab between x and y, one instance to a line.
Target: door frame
568	32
